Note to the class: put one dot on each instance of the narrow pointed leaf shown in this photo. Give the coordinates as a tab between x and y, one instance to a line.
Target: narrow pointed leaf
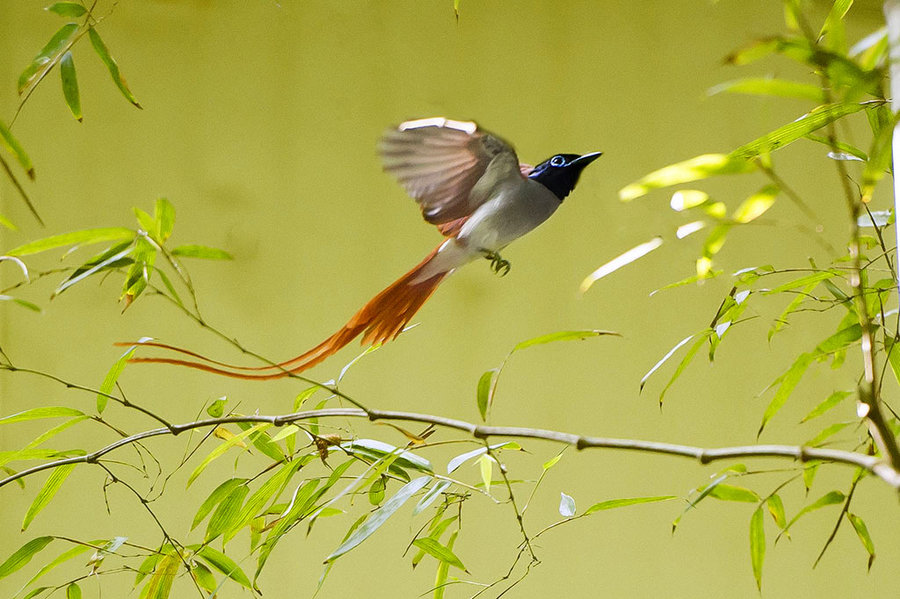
23	555
462	458
863	533
767	86
164	217
70	84
39	413
226	513
700	167
776	509
218	451
380	516
201	251
83	237
789	381
109	381
429	497
53	47
688	357
623	259
61	558
67	9
483	392
486	466
51	486
223	564
440	552
830	498
113	67
562	336
664	359
757	545
754	206
160	584
827	432
440	579
617	503
8	140
217	496
733	493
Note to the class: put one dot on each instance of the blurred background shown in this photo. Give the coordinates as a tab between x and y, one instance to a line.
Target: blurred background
260	122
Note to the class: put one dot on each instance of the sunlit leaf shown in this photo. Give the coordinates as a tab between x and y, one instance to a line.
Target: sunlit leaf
879	161
70	84
688	357
623	259
664	359
53	47
61	558
380	516
218	451
792	307
440	552
769	86
827	432
862	532
109	381
83	237
562	336
223	564
39	413
113	67
73	591
263	442
755	205
757	545
215	497
700	167
51	486
226	513
461	459
8	141
376	491
201	251
429	497
380	450
617	503
830	498
483	392
733	493
440	578
812	121
685	199
805	280
833	28
828	403
566	505
789	381
23	555
486	466
776	508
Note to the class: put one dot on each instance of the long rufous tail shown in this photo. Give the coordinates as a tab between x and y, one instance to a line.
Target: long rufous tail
379	321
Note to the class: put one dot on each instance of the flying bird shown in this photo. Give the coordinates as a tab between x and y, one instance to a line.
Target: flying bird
469	183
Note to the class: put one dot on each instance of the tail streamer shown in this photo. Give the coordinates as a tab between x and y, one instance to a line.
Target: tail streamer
379	321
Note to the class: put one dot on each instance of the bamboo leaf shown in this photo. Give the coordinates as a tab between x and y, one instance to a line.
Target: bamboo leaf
812	121
440	552
218	451
51	486
776	508
226	513
379	517
566	505
263	442
111	64
483	392
160	584
664	359
73	591
223	564
768	86
700	167
789	381
486	466
440	579
201	251
562	336
462	458
617	503
12	144
70	84
59	41
39	413
623	259
215	497
830	498
827	432
164	217
433	493
62	557
67	9
380	450
863	533
688	357
733	493
109	381
755	205
757	545
23	555
83	237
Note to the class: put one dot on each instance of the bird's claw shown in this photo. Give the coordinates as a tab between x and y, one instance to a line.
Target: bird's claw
498	264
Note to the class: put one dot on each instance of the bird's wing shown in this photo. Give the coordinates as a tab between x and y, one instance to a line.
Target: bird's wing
439	161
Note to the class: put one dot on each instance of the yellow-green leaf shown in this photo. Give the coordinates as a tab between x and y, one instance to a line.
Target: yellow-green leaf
51	486
113	67
756	204
768	86
757	545
700	167
70	84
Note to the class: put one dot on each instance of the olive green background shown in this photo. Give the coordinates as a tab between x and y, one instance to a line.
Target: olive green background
260	121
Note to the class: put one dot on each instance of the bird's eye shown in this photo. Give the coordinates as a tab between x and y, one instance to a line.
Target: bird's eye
557	161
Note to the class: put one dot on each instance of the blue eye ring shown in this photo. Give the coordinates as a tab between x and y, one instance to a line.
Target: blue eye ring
557	161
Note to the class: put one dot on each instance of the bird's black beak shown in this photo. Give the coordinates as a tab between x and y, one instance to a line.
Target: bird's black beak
585	159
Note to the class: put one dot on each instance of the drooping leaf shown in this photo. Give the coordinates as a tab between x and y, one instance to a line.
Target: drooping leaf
51	486
380	516
827	432
688	357
664	359
201	251
789	381
83	237
23	555
53	47
61	558
623	259
440	579
213	499
812	121
379	450
462	458
8	140
879	161
109	381
757	545
163	577
755	205
483	392
111	64
769	86
776	508
226	513
264	443
862	532
828	403
218	451
700	167
164	218
561	336
486	467
830	498
833	27
440	552
70	84
566	505
223	564
432	494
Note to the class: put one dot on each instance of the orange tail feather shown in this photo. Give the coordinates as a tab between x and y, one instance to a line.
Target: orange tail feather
381	320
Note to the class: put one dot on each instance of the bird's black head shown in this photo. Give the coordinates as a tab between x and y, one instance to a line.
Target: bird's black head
560	173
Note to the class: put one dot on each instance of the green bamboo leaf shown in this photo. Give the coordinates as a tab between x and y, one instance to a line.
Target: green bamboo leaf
562	336
769	86
35	592
833	27
617	503
160	584
827	432
146	567
204	578
164	217
59	41
138	277
879	161
566	505
733	493
700	167
663	360
215	497
440	579
863	533
254	505
379	517
201	251
688	357
83	237
483	392
73	591
776	508
109	381
113	67
755	205
462	458
789	381
380	450
39	413
757	545
20	302
222	448
830	498
429	497
70	84
620	261
792	307
8	140
223	564
376	491
812	121
62	557
112	260
263	442
440	552
51	486
145	221
486	466
226	513
809	474
23	555
67	9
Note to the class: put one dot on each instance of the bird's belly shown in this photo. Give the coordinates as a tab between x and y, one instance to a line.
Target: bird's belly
509	215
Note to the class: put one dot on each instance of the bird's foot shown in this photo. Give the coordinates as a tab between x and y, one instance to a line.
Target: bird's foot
498	264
